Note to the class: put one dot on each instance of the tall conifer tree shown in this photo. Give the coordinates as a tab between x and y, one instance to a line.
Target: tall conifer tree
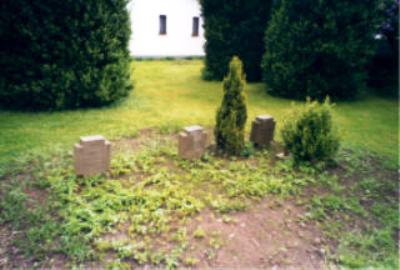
232	115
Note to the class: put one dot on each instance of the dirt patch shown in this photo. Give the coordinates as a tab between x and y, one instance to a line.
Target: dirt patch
6	248
268	235
136	142
12	258
35	195
144	138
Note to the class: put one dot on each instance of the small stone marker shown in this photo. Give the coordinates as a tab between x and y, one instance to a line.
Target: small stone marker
262	132
92	155
192	142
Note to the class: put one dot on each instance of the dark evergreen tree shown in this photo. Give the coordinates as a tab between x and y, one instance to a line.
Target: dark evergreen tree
63	54
390	25
320	48
234	28
384	67
232	115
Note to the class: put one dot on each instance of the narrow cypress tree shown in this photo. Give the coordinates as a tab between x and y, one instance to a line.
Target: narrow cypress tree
232	115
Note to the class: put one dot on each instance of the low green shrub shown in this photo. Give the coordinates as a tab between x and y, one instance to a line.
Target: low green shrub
232	115
308	133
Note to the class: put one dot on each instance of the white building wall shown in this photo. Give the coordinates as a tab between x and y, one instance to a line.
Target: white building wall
178	42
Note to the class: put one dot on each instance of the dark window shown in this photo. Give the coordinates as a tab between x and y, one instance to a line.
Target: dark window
163	24
195	30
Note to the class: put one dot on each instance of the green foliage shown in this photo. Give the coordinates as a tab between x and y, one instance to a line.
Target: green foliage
384	67
141	211
234	28
190	261
63	54
140	192
308	133
320	48
224	206
79	211
199	233
362	215
18	209
232	115
376	248
327	205
151	107
12	206
118	265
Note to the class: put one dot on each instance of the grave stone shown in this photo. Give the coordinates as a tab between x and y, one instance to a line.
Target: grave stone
192	142
262	132
92	156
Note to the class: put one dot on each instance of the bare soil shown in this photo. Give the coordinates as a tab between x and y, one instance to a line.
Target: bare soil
270	234
267	235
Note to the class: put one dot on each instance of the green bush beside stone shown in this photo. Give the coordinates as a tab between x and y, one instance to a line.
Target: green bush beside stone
308	133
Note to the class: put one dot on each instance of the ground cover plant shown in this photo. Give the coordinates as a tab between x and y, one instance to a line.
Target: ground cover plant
155	209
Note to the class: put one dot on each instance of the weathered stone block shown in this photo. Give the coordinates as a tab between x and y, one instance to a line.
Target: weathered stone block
92	156
262	132
192	142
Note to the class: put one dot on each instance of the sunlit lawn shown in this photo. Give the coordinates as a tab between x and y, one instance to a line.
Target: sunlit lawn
171	94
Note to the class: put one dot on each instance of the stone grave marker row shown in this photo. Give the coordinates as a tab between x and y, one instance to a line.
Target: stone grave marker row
92	156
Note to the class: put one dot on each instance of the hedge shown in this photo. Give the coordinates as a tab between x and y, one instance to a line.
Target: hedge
63	54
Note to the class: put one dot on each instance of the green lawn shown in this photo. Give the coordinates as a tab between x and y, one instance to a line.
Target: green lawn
171	94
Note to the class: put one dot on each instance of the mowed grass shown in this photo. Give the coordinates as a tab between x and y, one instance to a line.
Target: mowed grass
171	94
